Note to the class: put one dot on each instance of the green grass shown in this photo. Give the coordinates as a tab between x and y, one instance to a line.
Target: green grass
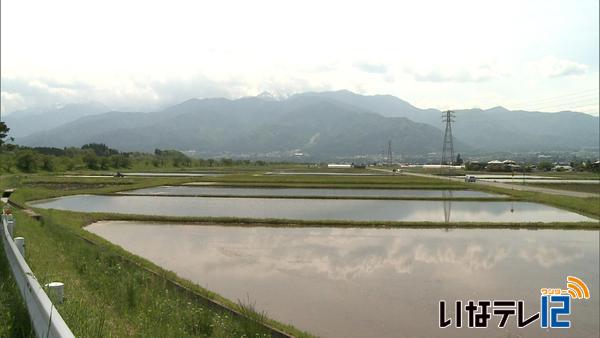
589	206
382	198
384	181
32	187
14	319
109	292
291	223
579	187
570	175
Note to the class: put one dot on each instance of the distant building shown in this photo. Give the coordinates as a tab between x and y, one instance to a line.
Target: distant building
506	165
562	168
338	166
495	165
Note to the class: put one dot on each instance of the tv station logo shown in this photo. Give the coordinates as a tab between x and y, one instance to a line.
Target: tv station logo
555	307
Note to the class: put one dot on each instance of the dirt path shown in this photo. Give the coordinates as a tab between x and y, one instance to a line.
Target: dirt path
504	185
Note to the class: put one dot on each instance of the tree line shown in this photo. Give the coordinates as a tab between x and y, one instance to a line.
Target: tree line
95	156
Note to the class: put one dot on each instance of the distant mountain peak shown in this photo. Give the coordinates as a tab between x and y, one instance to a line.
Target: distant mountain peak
498	109
268	96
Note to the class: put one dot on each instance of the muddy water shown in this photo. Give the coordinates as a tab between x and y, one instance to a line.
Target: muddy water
374	282
237	191
317	209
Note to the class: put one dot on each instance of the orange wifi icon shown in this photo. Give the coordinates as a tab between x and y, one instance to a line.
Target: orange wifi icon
577	288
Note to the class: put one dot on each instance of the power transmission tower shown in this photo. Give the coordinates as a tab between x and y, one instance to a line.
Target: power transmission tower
389	153
448	117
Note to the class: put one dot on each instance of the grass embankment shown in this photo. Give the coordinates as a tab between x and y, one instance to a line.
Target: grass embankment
589	206
579	187
110	292
307	181
567	175
217	167
14	319
317	197
33	187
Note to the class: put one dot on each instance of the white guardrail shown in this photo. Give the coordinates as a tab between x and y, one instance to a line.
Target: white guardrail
47	322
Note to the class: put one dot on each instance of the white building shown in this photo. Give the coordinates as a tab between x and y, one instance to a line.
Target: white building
338	166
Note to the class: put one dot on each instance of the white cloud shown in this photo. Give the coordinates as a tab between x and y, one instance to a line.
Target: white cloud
551	66
375	68
10	102
450	56
481	73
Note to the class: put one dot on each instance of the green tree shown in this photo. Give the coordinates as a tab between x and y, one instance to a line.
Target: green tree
91	160
69	163
27	161
104	163
545	166
4	129
100	149
120	161
7	161
48	163
459	160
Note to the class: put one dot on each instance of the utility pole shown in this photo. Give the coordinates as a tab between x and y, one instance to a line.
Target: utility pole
448	149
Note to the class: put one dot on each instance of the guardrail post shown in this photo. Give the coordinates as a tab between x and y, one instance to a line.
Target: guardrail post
20	243
11	226
56	291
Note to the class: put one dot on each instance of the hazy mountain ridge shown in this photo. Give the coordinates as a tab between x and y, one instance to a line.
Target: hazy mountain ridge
326	124
495	129
27	122
327	128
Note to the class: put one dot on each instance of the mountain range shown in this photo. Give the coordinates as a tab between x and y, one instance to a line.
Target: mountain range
29	121
321	125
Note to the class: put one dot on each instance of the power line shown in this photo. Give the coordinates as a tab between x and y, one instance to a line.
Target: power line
568	104
560	97
573	103
565	101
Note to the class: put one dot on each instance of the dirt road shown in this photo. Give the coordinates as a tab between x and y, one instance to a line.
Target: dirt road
503	185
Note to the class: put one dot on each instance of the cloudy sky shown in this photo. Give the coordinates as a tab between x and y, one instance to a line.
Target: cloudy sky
140	55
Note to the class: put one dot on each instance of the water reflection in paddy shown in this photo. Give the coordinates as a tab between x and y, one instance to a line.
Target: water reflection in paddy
241	191
317	209
373	282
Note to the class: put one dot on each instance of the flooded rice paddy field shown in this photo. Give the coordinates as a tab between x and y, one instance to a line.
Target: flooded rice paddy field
318	209
518	180
329	192
507	178
374	282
